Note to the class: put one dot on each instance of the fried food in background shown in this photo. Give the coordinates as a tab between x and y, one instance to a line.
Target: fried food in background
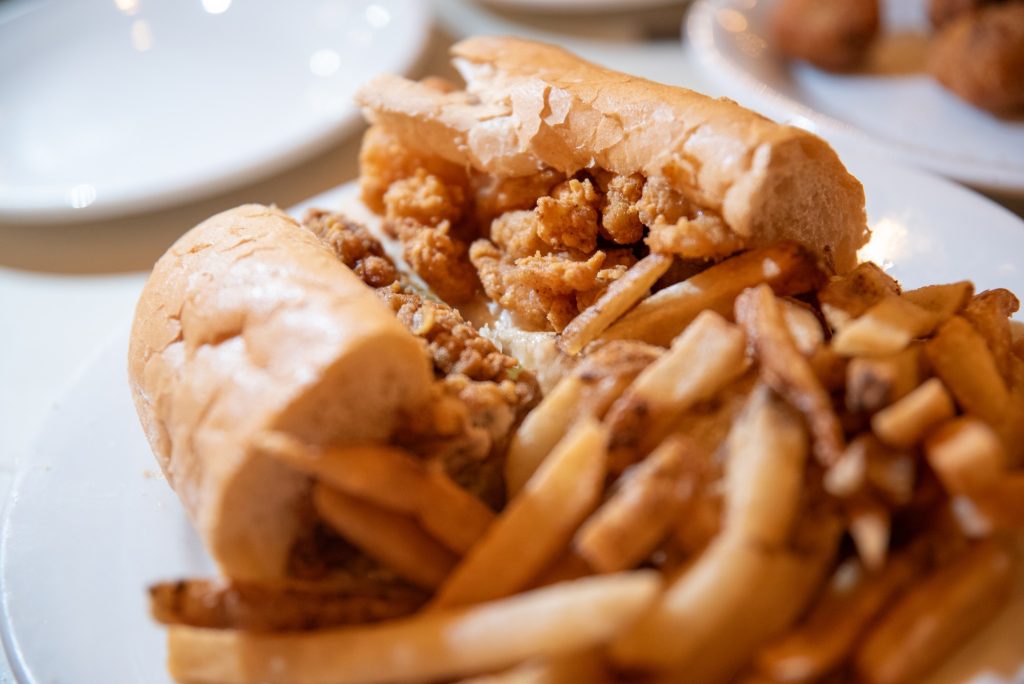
941	12
831	34
979	56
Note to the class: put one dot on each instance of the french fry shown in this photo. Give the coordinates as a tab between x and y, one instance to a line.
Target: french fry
886	328
867	464
788	372
933	617
568	566
571	668
989	312
967	456
767	451
391	478
1003	502
540	431
906	423
847	297
598	380
870	528
536	524
942	300
803	325
960	357
707	356
620	296
430	646
631	523
838	619
393	539
786	266
872	383
723	607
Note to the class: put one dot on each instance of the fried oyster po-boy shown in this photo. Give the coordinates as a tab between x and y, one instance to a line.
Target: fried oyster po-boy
752	458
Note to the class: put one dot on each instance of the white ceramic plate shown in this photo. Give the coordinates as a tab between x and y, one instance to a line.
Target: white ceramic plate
892	106
586	6
110	106
91	524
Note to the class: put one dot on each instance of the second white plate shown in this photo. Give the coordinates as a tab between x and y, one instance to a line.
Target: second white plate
108	107
892	106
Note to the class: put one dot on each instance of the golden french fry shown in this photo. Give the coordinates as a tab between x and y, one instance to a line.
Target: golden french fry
960	357
767	450
942	300
393	539
1003	502
620	296
886	328
707	356
989	312
429	646
830	368
846	297
787	372
934	616
803	325
540	431
571	668
786	266
872	383
967	456
836	622
870	528
391	478
537	524
906	423
723	607
631	523
568	566
597	381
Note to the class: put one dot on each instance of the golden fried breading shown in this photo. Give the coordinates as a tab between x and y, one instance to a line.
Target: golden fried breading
353	245
568	218
515	232
980	57
941	12
620	215
703	237
424	198
384	160
438	258
495	196
660	203
831	34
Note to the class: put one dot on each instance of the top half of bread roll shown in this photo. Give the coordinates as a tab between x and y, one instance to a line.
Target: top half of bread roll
529	106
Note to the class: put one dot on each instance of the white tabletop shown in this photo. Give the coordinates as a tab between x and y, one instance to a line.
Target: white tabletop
64	290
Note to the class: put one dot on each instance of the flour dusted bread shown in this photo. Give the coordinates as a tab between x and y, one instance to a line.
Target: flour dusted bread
248	322
529	106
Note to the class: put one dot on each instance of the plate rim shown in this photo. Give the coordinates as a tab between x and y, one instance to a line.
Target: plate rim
699	35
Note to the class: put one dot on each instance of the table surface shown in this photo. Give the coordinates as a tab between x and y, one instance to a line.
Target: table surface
66	289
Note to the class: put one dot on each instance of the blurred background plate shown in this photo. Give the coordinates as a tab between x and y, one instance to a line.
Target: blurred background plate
892	105
112	106
585	6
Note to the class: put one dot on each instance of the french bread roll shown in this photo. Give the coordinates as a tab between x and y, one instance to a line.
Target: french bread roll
249	323
529	106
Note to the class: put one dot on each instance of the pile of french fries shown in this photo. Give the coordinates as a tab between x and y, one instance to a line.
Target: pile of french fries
795	477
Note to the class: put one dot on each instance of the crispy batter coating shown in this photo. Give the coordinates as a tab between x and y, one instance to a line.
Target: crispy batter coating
515	232
831	34
424	198
353	245
620	213
384	160
941	12
495	196
568	218
703	237
980	57
660	203
437	257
